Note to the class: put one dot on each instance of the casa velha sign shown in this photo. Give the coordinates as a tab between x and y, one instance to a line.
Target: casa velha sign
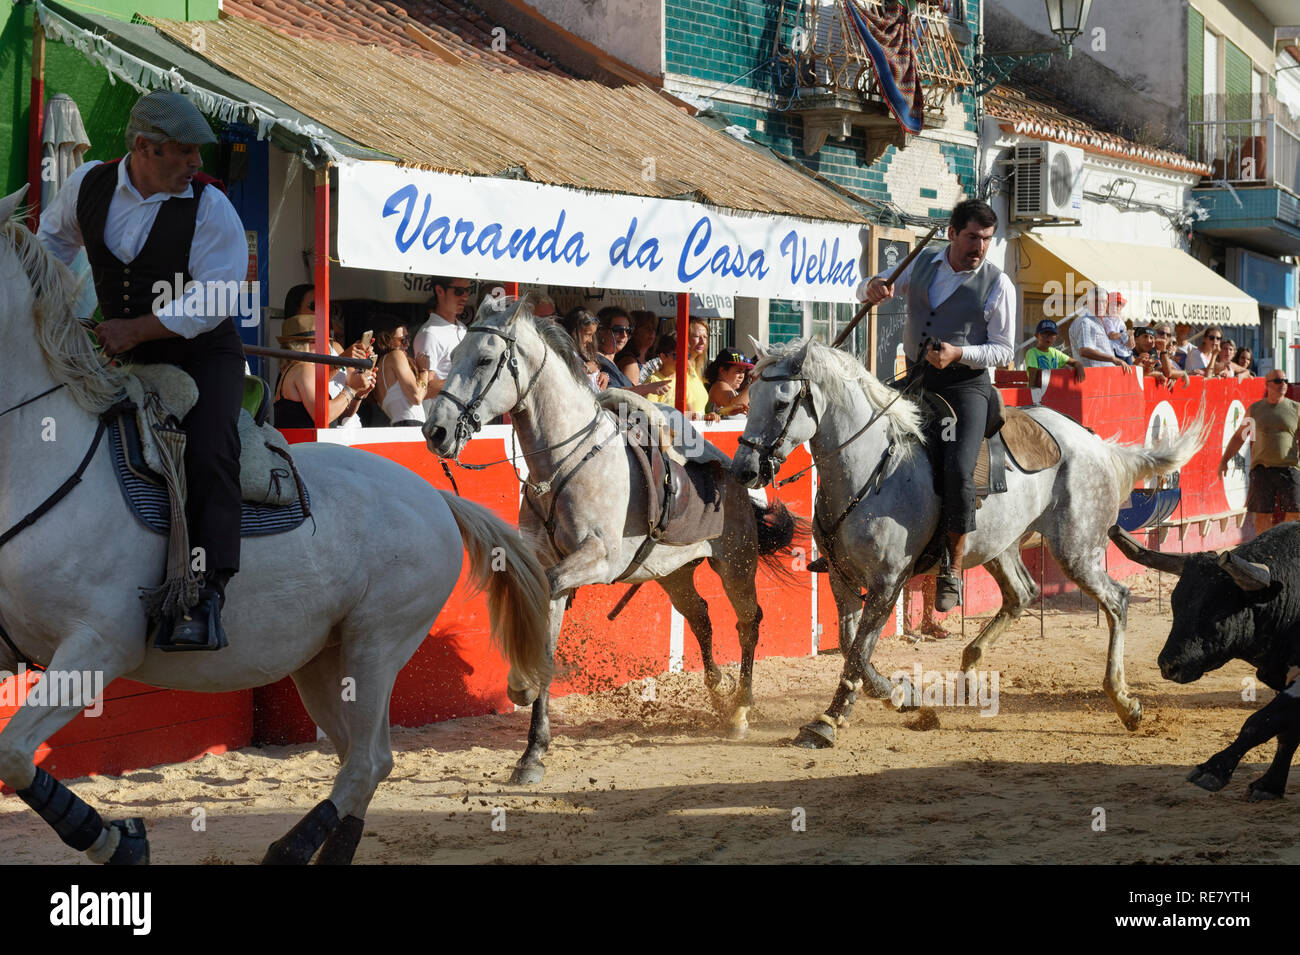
405	220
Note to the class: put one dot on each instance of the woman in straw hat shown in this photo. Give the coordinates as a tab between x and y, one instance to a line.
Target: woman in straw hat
295	393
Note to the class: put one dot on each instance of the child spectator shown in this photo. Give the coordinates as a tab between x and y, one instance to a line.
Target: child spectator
1043	357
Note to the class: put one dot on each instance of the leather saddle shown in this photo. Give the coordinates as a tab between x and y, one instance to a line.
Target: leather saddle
267	474
684	504
1011	438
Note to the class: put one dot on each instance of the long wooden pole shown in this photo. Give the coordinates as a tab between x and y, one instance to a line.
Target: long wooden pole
322	341
289	354
848	329
36	123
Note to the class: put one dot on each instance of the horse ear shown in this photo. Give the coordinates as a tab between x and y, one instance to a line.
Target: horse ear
796	363
760	350
1158	560
10	203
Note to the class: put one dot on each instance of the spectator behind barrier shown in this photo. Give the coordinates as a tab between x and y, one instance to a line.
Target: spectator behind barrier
400	386
1044	357
728	377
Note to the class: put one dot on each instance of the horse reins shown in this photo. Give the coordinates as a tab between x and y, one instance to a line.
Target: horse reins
59	494
468	423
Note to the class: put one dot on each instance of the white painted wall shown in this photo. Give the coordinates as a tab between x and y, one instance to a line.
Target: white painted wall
632	30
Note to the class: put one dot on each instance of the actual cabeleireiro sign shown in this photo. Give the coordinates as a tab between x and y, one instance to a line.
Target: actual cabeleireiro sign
398	219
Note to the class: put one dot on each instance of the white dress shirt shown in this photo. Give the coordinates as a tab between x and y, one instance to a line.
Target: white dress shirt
218	254
999	309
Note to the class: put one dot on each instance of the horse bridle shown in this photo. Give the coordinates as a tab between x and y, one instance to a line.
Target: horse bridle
768	452
468	423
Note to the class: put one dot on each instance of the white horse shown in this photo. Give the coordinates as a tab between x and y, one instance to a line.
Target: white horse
584	479
876	508
340	603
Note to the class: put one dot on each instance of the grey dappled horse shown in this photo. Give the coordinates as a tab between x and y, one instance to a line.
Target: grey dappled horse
347	596
582	474
806	391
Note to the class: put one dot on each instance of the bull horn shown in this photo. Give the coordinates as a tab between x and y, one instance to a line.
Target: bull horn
1130	548
1247	575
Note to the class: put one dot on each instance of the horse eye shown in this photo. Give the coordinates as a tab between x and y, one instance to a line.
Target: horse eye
780	405
484	362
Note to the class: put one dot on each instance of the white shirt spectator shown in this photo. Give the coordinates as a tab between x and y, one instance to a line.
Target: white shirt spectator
218	254
1195	361
1086	331
999	310
436	340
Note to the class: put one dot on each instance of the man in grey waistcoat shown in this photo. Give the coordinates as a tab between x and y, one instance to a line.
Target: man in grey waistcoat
961	316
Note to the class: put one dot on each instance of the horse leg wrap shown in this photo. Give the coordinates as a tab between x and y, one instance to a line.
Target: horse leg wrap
300	843
76	823
342	843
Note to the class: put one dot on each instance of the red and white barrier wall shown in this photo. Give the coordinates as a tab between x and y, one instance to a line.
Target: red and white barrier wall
456	672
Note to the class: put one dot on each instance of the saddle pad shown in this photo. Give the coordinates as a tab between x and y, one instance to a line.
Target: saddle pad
695	512
1030	445
149	503
695	504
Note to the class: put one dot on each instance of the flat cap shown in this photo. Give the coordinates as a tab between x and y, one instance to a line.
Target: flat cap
172	115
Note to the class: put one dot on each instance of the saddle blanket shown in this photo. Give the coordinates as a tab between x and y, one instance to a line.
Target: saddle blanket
149	503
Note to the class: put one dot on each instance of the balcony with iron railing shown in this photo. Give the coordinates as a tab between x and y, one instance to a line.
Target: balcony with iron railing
1252	195
1247	140
833	85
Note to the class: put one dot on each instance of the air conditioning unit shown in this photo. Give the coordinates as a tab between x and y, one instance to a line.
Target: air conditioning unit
1049	182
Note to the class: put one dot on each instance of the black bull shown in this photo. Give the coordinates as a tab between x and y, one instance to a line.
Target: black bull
1242	604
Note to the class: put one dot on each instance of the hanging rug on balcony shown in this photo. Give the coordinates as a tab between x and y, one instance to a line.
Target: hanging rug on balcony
890	43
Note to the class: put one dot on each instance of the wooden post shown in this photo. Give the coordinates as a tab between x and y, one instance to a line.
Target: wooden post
322	341
683	349
36	123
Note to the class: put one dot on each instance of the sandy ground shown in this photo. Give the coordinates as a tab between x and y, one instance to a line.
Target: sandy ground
1053	777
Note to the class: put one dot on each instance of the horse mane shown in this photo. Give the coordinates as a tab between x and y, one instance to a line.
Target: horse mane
839	375
71	359
553	336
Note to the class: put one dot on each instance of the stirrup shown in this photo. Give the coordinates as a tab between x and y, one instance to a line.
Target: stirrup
947	592
200	629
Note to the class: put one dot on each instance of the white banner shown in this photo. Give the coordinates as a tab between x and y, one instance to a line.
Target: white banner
409	220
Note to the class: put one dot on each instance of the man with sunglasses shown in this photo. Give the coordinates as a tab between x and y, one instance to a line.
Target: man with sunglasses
444	330
1271	425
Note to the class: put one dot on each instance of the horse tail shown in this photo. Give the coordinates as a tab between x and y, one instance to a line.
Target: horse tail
519	602
1134	463
777	528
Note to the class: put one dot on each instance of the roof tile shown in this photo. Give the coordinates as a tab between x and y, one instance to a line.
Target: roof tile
1032	112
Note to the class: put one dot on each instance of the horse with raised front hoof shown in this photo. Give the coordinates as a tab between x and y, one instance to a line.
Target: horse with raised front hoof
585	504
877	509
327	601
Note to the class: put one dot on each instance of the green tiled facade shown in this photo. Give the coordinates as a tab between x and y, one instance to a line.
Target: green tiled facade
730	43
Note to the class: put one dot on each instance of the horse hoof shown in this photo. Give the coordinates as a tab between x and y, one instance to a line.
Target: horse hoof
1257	793
901	697
725	687
522	697
1200	776
133	847
970	659
815	736
527	774
1133	718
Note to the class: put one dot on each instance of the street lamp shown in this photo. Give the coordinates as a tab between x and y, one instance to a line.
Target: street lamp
1066	18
